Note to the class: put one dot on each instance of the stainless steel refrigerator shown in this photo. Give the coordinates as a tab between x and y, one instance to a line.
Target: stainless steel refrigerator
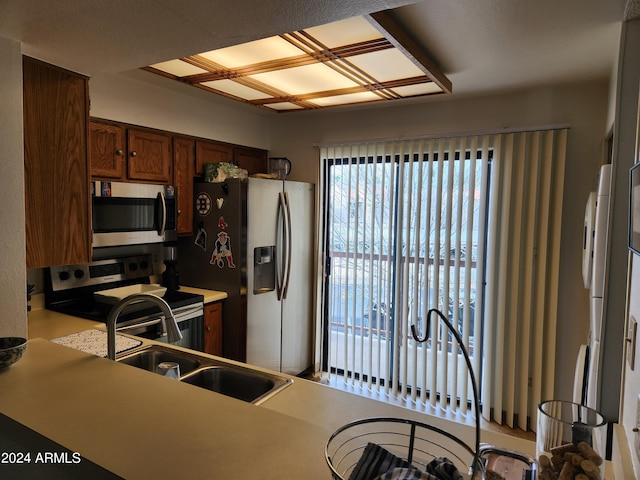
254	240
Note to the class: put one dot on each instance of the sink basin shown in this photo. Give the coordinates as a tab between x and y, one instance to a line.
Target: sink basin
150	357
228	379
244	384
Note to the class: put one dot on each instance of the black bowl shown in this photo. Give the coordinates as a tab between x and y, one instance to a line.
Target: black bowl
11	349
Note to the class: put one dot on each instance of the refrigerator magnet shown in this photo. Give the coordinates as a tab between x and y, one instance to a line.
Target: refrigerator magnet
222	251
221	223
201	238
219	202
203	204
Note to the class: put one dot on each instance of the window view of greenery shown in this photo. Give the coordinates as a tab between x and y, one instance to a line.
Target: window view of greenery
404	235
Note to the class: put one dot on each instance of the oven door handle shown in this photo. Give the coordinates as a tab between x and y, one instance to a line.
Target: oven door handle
135	326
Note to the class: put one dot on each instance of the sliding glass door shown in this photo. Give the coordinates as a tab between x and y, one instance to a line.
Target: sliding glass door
405	233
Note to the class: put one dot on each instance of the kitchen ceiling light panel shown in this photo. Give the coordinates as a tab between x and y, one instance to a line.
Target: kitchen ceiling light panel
418	90
347	99
350	61
386	65
235	89
283	106
307	79
179	68
344	32
253	52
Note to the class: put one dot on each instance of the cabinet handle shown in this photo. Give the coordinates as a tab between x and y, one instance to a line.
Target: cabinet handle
133	154
118	152
179	212
208	329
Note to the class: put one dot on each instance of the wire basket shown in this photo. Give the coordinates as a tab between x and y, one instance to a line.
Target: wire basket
414	442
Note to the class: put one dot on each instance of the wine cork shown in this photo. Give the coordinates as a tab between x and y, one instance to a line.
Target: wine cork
590	469
574	458
547	472
568	471
557	461
589	453
562	449
544	461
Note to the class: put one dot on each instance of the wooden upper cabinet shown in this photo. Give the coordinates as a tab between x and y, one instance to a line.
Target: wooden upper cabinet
184	150
253	160
107	151
56	167
212	152
149	156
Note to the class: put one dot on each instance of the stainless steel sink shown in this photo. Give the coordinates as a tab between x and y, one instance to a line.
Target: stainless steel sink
228	379
244	384
150	357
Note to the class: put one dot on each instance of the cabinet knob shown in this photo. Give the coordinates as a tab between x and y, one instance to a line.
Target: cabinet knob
133	154
208	329
118	152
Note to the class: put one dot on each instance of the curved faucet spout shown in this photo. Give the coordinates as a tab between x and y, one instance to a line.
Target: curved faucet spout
169	324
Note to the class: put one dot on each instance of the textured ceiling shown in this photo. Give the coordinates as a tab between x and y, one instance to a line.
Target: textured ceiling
480	45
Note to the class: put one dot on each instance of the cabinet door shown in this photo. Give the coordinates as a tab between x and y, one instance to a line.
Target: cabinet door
149	156
183	168
213	328
107	151
253	160
56	167
212	152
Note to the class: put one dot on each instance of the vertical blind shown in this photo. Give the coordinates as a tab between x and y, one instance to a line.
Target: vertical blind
467	225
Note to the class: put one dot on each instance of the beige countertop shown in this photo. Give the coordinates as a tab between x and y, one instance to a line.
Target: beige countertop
210	296
141	425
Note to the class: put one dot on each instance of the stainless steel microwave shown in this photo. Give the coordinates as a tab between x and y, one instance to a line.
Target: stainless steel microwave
132	213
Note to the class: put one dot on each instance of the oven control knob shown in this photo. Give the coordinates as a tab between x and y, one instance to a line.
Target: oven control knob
78	273
133	266
144	265
64	275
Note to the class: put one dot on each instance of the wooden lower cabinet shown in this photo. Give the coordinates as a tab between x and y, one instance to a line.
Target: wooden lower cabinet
213	328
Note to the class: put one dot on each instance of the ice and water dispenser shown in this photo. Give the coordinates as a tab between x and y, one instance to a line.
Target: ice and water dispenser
264	269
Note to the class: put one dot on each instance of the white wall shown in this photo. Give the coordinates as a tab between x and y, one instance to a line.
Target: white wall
142	98
13	319
584	107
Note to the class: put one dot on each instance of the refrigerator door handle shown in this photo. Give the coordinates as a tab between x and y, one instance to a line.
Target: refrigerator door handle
288	242
280	246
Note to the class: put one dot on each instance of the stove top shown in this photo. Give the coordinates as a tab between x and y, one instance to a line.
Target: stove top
70	288
86	306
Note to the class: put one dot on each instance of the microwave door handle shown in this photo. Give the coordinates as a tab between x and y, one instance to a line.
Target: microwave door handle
163	218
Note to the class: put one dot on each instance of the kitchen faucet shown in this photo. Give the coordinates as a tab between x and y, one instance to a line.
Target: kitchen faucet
168	322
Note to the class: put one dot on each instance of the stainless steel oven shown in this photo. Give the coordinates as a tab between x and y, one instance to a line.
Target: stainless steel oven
75	290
